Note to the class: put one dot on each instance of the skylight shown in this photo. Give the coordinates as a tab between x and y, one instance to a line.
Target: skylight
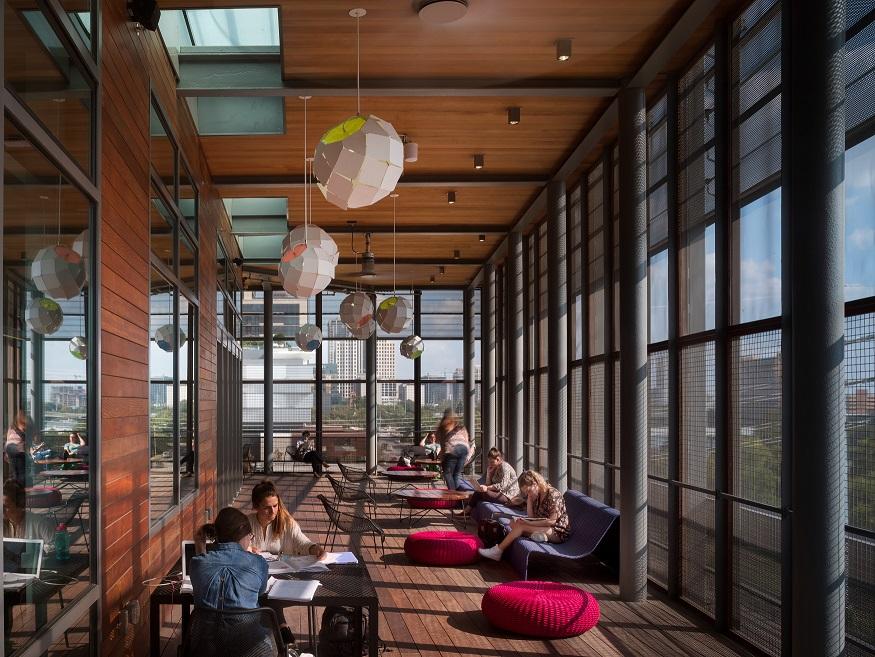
221	28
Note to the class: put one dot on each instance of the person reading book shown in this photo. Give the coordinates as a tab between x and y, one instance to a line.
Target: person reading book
547	517
500	484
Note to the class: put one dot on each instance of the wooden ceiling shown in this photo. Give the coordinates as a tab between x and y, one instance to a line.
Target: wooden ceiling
499	43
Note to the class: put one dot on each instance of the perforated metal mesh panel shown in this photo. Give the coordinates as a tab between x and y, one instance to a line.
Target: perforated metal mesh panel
531	418
657	531
657	414
657	171
596	412
616	457
595	251
755	421
597	482
542	428
697	415
859	68
756	577
697	550
860	423
575	417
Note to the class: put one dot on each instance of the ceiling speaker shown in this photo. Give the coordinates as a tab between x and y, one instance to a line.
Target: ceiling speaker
441	11
144	12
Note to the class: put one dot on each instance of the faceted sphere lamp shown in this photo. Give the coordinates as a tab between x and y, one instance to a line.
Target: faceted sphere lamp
57	272
44	316
78	347
301	237
309	337
357	314
394	313
358	162
164	338
306	273
80	246
412	347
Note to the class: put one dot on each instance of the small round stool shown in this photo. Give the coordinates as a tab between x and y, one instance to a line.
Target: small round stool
442	548
43	497
401	468
541	609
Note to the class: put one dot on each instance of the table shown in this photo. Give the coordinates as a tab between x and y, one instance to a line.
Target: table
432	462
342	585
409	477
58	461
431	499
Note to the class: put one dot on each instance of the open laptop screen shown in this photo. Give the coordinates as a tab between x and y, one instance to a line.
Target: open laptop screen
22	556
188	553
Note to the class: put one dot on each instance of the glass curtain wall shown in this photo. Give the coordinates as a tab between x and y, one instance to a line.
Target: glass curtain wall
50	337
442	363
396	398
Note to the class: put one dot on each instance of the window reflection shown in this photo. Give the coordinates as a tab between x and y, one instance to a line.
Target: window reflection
860	221
163	341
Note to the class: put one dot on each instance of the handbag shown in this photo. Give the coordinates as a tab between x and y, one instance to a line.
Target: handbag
491	532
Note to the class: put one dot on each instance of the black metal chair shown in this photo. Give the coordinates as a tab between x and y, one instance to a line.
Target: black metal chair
350	523
239	632
352	495
71	509
356	476
247	459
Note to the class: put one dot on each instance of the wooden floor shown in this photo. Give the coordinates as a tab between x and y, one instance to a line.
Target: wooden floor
436	611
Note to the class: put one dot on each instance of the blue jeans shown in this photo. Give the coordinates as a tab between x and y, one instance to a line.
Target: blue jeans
454	463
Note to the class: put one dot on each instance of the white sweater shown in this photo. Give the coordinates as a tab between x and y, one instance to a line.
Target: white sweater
294	542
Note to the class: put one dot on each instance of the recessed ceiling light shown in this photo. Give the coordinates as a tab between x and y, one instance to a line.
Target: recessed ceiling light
482	237
563	49
513	115
479	161
442	11
431	280
442	270
451	197
457	254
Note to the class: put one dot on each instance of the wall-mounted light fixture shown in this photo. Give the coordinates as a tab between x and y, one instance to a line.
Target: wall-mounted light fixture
563	49
479	161
482	237
513	115
451	197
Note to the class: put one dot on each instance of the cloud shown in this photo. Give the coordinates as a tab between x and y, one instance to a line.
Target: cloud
760	290
863	238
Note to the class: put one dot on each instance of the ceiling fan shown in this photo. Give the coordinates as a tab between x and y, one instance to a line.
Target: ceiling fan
367	256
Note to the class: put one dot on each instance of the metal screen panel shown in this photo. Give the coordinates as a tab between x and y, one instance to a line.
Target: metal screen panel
657	414
756	577
697	415
596	449
697	550
597	482
860	73
755	417
575	417
657	531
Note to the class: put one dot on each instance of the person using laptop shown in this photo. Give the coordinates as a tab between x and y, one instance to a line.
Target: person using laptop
18	523
228	576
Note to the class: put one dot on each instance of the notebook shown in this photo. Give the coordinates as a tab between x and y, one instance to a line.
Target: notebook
297	590
22	561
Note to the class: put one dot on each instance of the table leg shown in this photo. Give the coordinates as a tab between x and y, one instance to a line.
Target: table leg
186	621
311	629
374	629
154	629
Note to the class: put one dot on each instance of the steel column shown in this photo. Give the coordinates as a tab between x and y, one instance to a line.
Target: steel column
633	341
813	137
557	336
371	399
515	352
468	360
487	356
268	376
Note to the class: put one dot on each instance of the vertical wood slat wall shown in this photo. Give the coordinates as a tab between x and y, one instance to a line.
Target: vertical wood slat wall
132	63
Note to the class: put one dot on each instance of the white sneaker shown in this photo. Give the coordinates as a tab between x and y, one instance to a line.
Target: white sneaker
493	553
539	537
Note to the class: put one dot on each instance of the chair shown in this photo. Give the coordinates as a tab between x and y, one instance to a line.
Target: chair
71	509
350	523
356	476
238	632
247	458
472	459
350	495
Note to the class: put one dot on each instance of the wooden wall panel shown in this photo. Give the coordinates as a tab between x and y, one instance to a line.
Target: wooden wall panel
133	64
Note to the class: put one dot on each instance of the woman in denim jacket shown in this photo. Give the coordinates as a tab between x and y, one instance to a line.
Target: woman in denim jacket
229	576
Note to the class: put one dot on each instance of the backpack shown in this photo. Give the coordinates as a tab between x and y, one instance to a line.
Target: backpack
338	634
491	532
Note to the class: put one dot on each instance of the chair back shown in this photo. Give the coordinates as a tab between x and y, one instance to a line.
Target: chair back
237	633
329	508
66	512
339	491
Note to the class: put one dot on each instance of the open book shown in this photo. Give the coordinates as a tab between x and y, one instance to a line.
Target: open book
298	590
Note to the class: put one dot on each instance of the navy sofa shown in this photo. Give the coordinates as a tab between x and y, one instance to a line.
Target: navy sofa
594	531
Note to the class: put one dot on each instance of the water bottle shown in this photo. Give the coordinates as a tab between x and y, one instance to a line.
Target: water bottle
62	543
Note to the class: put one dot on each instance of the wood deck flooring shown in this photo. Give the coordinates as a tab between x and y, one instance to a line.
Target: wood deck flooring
435	612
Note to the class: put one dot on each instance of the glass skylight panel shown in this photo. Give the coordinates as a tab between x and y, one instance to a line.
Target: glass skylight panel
221	28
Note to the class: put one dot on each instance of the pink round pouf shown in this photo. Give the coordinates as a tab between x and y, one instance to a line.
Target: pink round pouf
401	468
442	548
425	503
43	497
542	609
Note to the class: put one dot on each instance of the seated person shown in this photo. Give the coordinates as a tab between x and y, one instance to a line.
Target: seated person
274	530
547	518
39	450
305	450
82	452
18	523
500	484
74	442
431	445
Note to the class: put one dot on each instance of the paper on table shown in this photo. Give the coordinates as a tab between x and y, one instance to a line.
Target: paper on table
340	558
304	564
268	556
299	590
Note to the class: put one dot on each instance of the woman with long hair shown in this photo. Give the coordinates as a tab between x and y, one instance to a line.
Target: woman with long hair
16	447
273	527
229	576
456	448
500	484
547	519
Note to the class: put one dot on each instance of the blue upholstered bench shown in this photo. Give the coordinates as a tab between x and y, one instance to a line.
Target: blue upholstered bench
594	531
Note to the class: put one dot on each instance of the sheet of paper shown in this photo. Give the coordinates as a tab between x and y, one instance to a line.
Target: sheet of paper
340	558
268	556
299	590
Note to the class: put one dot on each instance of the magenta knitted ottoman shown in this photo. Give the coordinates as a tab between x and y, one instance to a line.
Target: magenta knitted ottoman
442	548
43	497
543	609
401	468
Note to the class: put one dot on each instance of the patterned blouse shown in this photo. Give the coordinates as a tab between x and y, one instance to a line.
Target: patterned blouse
503	479
548	504
456	436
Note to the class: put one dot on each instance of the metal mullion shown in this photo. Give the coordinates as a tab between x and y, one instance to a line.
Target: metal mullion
673	346
69	37
584	333
175	446
756	28
752	503
757	106
698	152
757	191
608	260
417	365
756	326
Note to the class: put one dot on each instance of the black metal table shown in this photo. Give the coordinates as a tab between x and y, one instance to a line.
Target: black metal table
342	585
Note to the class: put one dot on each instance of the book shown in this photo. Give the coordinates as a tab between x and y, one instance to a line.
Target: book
302	564
340	558
297	590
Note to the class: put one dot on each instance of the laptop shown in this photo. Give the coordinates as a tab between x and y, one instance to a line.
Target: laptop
188	553
22	561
